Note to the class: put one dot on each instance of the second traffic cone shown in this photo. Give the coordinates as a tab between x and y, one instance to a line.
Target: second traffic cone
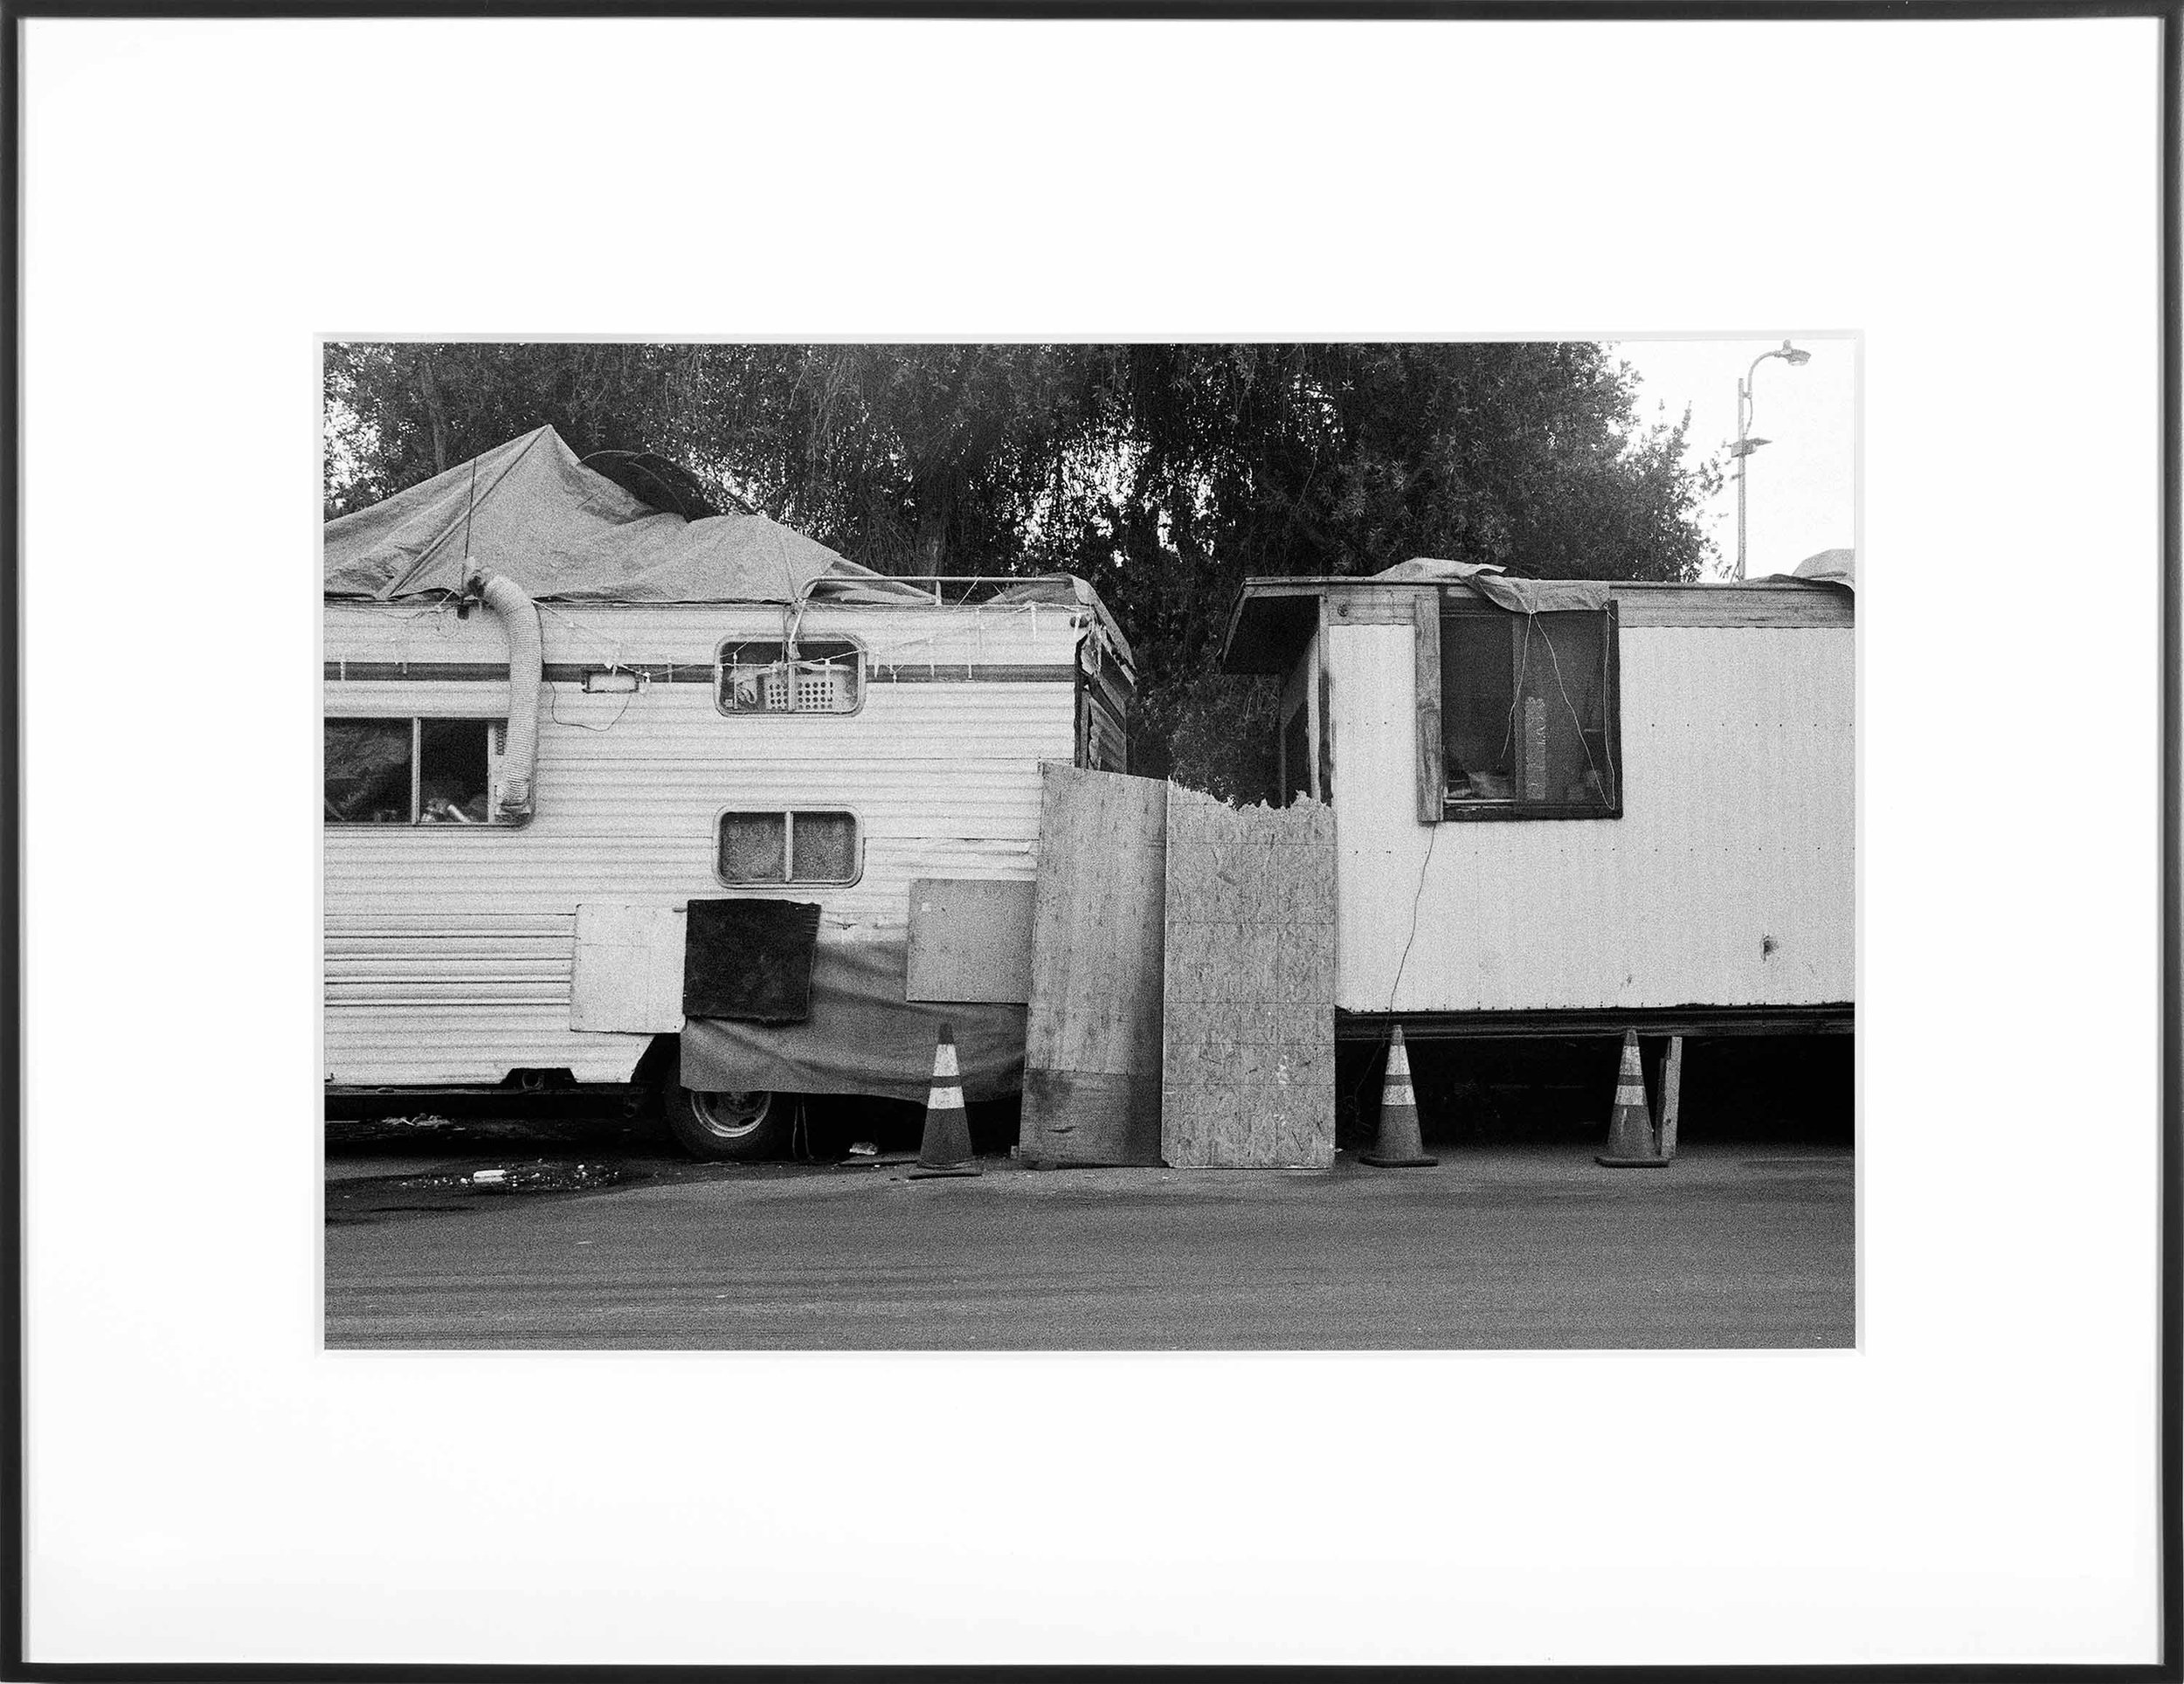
1630	1144
1398	1146
946	1148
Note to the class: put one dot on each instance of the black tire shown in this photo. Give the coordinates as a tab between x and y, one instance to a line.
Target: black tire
735	1127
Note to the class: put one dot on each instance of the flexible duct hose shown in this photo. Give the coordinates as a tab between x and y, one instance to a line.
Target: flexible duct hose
515	611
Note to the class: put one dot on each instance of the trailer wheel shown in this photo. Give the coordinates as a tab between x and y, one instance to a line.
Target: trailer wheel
740	1127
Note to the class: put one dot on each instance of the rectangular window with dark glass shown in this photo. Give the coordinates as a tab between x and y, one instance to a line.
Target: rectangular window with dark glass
1529	715
812	676
411	771
758	850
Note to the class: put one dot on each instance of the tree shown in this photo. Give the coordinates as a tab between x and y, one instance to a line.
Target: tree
1165	474
400	414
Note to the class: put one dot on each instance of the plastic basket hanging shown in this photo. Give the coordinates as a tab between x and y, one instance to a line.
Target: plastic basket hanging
819	688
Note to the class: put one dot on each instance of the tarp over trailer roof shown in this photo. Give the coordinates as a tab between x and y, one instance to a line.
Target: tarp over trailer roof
530	511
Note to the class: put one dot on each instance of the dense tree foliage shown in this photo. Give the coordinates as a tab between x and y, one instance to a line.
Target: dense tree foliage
1165	473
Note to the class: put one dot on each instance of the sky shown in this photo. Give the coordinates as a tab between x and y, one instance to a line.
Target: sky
1802	495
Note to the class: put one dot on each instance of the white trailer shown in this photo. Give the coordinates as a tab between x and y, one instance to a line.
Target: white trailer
1585	806
527	787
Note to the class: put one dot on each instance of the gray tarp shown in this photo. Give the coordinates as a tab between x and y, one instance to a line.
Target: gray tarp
1520	595
530	511
1830	567
861	1037
533	513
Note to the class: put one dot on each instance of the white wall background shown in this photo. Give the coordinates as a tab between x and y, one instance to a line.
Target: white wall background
201	199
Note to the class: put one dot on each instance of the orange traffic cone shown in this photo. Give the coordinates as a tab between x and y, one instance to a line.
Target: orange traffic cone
1398	1146
1630	1144
946	1148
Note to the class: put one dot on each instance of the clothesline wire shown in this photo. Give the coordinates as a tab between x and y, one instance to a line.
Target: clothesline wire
875	650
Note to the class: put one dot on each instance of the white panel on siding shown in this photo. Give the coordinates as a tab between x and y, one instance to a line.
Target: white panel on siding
628	973
1738	756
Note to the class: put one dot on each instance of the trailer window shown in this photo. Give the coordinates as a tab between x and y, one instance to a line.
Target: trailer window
760	849
826	677
1529	715
409	771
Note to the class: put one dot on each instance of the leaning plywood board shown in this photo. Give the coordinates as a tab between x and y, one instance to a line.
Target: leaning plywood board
971	939
628	974
1248	1012
1092	1051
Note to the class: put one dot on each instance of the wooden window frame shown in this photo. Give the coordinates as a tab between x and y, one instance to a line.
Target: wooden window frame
1429	610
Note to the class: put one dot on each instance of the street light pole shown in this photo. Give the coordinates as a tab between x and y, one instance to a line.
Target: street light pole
1744	451
1746	444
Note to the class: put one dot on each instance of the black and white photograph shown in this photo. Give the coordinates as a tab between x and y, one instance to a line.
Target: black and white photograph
1034	837
1343	809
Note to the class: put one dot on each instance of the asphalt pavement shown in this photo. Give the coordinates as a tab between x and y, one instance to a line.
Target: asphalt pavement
1496	1248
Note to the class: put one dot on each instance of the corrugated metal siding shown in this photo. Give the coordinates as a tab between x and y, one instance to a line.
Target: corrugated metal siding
420	1044
901	637
468	701
449	949
1738	774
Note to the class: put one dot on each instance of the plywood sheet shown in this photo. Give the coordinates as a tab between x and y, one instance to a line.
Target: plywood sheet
628	974
1093	1041
971	939
1247	1019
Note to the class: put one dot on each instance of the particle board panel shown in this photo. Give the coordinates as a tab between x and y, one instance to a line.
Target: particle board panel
971	940
1093	1036
1248	986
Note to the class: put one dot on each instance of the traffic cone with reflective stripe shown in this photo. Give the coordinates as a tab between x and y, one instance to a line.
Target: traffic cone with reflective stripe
1630	1143
1398	1146
946	1148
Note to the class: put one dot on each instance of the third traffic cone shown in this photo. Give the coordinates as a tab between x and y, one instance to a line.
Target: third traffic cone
1398	1146
946	1148
1630	1126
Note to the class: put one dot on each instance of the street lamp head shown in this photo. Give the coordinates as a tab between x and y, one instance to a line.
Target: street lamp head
1796	358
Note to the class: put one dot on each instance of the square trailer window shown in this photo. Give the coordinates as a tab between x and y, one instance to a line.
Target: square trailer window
823	847
826	676
454	774
367	771
760	849
754	848
1529	715
409	771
